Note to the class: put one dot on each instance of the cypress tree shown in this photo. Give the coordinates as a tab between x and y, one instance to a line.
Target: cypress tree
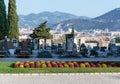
13	20
73	32
3	20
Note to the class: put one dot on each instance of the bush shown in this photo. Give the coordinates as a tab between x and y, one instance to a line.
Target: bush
23	54
44	54
43	65
109	54
70	55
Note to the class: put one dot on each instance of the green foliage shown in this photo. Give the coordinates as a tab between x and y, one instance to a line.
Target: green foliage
13	20
3	20
42	32
117	39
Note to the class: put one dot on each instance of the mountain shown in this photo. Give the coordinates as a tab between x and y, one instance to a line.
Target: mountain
113	15
64	21
33	20
109	20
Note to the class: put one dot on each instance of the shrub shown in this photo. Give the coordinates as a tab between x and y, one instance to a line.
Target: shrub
104	65
66	65
82	65
43	65
44	54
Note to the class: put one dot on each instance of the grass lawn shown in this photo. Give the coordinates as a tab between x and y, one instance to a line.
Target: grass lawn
5	67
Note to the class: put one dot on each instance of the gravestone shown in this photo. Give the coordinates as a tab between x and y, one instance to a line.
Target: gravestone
113	48
69	42
35	47
35	44
15	43
24	45
41	44
6	40
74	47
10	48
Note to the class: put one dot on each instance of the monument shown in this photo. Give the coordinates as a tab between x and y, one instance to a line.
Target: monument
69	42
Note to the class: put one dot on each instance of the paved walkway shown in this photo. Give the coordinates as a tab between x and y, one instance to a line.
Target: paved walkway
61	79
61	59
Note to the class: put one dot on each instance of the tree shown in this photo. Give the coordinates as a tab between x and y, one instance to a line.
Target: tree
73	32
117	39
3	20
42	32
13	20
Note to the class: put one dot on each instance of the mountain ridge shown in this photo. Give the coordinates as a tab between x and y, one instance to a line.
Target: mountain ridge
33	20
110	20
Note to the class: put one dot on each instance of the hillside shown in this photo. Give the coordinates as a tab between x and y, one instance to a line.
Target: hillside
110	20
33	20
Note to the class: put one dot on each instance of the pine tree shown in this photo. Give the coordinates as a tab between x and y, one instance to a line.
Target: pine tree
42	32
3	20
13	20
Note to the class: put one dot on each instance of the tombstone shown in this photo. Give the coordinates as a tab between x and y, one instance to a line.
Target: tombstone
6	40
15	43
69	42
82	47
48	44
10	48
35	47
96	48
113	48
35	44
59	49
41	44
118	49
64	47
24	45
74	47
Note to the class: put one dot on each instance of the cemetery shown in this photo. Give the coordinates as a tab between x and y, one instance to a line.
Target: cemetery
40	44
57	58
33	48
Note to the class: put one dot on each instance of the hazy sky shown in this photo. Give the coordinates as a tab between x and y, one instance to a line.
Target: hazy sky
90	8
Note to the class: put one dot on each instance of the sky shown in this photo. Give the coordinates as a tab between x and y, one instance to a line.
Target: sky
89	8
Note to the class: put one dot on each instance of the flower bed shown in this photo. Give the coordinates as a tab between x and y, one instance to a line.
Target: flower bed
57	64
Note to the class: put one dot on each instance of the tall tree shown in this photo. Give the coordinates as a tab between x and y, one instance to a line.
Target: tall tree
73	31
13	20
3	20
42	32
